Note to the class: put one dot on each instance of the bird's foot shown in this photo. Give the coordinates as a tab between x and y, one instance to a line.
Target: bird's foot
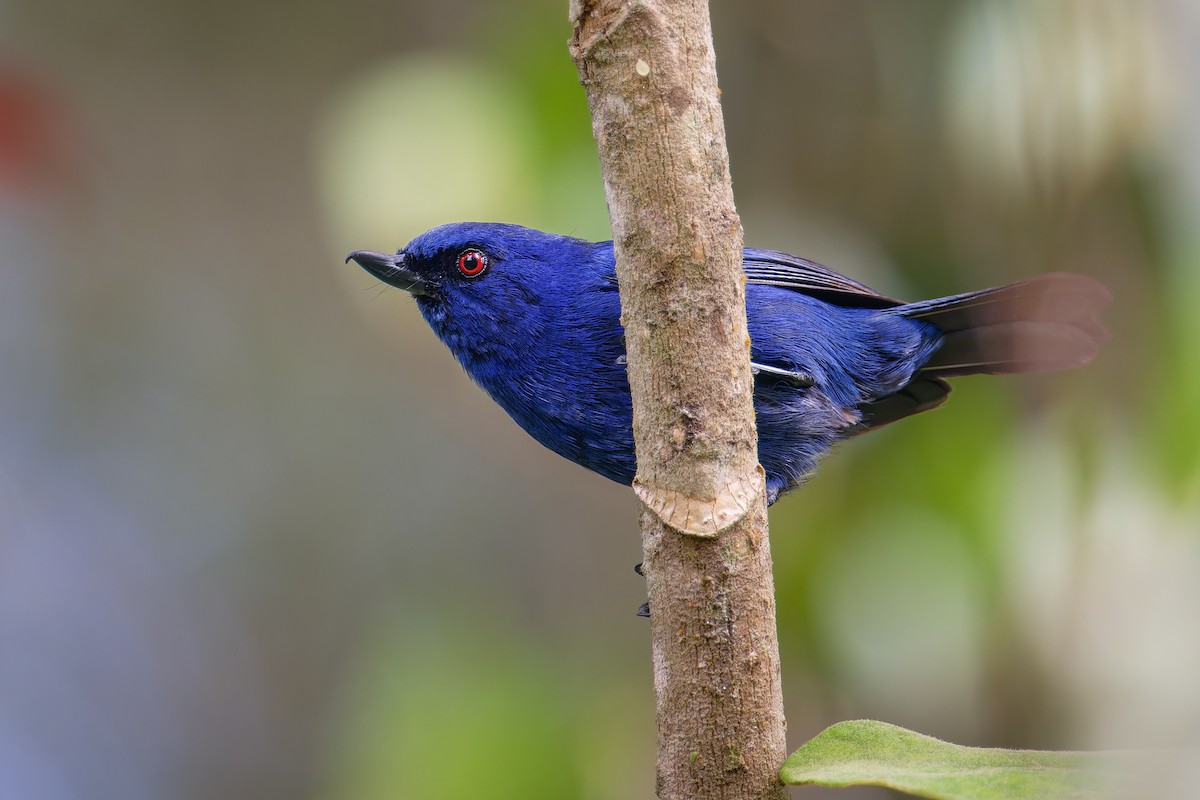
644	608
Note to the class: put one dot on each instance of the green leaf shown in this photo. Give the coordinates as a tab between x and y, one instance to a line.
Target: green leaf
876	753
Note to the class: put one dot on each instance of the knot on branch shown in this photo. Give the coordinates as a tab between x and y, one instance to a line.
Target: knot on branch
596	20
702	517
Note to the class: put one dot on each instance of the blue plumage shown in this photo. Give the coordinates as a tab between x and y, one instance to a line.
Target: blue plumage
534	318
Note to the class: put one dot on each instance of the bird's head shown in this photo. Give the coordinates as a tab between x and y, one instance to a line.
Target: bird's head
485	287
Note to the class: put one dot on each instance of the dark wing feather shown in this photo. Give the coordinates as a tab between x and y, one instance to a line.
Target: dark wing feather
776	268
923	393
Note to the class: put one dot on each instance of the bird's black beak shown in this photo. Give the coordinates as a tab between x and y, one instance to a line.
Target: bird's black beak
391	270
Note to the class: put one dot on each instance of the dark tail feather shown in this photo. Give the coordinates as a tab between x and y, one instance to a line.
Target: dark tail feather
1040	324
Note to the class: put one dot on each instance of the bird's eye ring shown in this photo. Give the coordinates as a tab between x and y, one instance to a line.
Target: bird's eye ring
472	263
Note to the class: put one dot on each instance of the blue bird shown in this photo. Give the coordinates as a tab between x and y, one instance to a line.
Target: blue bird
534	318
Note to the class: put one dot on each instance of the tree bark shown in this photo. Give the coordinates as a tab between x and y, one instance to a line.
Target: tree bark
650	74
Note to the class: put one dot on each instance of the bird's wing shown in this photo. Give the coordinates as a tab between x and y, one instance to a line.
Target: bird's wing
776	268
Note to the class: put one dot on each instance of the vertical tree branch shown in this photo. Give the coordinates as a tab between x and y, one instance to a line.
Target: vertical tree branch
649	70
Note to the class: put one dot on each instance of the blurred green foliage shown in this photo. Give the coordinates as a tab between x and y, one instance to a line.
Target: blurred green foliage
462	709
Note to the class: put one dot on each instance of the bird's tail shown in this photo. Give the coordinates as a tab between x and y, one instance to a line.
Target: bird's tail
1035	325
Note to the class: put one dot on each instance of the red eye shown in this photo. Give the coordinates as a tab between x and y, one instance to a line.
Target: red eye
472	263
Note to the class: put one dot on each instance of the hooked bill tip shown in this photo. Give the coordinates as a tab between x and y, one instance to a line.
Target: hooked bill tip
368	256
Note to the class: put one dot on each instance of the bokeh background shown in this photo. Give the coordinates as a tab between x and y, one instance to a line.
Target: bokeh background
261	538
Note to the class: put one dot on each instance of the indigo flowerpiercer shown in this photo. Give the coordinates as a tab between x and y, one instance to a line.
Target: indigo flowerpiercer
534	318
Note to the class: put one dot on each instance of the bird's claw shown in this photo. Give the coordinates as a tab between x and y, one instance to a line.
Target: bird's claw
644	608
